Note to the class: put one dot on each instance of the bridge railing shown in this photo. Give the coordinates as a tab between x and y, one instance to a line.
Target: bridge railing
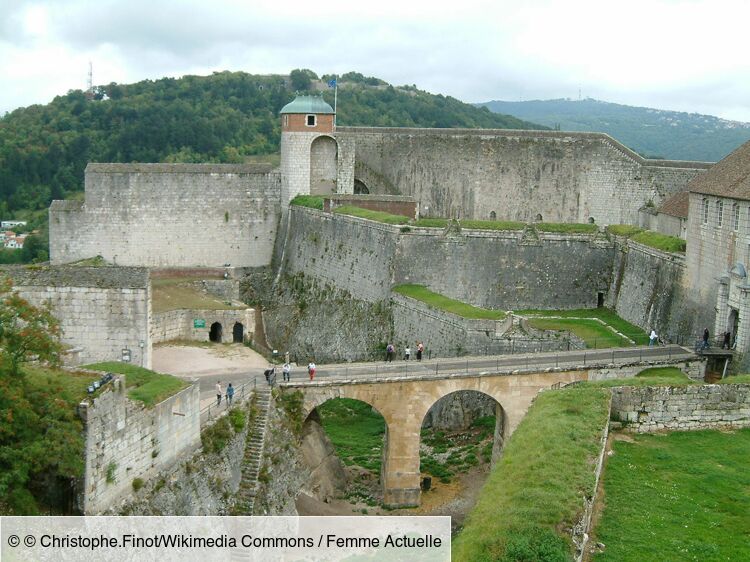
212	411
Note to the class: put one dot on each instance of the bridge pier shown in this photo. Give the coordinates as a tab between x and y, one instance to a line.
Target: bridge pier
400	475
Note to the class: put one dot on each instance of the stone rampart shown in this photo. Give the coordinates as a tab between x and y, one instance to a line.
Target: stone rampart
646	409
648	290
126	440
563	176
170	215
393	204
102	310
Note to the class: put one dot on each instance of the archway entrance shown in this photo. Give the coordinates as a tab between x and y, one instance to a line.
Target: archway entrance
323	155
360	188
215	332
343	441
238	333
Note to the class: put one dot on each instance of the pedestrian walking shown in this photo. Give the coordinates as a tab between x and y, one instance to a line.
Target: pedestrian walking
706	335
230	394
420	349
390	351
270	372
286	371
652	338
407	353
218	393
311	369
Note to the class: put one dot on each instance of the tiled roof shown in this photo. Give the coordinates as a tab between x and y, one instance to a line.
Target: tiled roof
728	178
676	205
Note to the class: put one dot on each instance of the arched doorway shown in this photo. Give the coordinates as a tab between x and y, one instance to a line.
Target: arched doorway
343	443
238	333
360	188
462	436
323	156
215	332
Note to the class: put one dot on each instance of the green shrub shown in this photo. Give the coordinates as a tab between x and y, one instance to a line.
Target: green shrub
216	437
110	477
137	484
238	418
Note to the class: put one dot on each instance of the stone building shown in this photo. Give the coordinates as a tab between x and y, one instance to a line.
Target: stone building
718	245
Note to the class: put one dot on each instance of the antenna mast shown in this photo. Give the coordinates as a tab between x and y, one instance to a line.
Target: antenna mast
90	82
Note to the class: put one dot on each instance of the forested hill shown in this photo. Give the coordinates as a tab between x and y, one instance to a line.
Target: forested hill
651	132
226	117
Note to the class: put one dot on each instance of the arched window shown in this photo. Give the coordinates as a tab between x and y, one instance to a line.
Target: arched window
539	217
704	211
735	217
591	220
719	212
493	215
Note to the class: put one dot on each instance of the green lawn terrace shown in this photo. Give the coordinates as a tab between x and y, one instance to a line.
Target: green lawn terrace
596	327
142	384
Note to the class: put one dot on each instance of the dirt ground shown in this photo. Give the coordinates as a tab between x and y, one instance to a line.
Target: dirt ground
209	364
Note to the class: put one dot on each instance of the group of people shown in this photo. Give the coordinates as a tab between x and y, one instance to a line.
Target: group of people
726	342
286	372
390	352
229	394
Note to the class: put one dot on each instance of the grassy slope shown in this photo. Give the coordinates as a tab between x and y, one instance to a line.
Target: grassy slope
604	314
690	502
538	485
145	385
178	293
356	431
655	376
422	293
368	214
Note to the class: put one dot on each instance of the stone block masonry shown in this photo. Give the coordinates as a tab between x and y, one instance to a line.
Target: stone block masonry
647	409
170	215
125	440
181	324
102	310
563	176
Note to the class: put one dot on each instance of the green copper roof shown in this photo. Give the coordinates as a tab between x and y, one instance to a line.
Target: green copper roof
307	104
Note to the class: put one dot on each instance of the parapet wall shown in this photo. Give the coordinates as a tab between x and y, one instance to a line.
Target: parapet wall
125	441
102	310
170	215
471	173
646	409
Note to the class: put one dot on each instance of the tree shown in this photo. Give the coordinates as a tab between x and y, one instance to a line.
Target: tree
26	332
302	79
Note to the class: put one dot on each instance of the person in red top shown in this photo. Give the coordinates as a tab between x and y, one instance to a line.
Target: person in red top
311	369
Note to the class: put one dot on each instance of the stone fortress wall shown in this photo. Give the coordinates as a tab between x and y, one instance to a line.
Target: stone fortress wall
169	215
470	173
125	440
102	310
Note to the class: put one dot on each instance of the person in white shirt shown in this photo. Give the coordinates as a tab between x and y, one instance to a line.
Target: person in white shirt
652	338
218	393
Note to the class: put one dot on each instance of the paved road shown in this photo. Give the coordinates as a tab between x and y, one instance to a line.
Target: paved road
495	363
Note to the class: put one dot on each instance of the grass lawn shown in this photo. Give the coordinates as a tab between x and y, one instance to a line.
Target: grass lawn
312	201
655	376
594	334
356	431
606	315
538	485
736	379
378	216
69	386
145	385
627	230
676	497
179	293
422	293
660	241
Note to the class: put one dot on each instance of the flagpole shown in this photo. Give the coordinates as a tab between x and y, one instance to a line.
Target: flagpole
335	98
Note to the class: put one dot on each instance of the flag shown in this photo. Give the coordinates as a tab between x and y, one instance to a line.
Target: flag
332	83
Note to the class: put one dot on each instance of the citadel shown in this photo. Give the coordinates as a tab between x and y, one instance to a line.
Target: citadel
238	219
319	284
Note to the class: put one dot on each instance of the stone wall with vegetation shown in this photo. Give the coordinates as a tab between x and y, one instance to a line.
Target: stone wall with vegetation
646	409
181	324
126	441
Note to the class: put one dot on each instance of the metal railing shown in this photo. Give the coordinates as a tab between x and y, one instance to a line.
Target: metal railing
214	410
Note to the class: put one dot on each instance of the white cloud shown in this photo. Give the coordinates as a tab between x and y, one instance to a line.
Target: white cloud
677	54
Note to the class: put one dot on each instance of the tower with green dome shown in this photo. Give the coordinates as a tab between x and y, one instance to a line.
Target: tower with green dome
309	152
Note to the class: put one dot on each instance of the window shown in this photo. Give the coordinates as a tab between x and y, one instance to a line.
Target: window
705	211
310	120
736	217
493	215
286	120
719	212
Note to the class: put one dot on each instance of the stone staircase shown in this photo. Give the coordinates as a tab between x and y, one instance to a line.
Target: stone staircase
254	453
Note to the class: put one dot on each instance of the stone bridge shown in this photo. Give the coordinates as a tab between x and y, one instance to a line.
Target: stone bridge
405	400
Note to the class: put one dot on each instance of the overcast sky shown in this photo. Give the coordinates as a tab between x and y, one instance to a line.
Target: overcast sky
669	54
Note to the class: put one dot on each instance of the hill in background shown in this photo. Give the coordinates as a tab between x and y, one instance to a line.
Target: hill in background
653	133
